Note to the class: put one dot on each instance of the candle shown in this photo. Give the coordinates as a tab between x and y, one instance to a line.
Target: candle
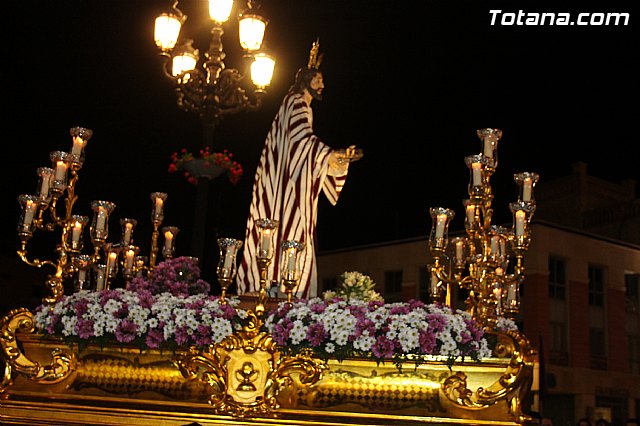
158	210
495	245
526	189
291	261
99	278
61	170
168	240
520	215
265	242
82	275
129	256
459	248
126	240
471	213
44	188
228	258
511	295
440	221
111	261
76	231
499	271
78	143
29	211
101	220
488	147
476	169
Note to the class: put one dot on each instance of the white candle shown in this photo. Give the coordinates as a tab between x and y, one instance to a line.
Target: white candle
228	257
495	245
76	231
526	189
471	213
127	233
459	248
158	210
168	240
440	221
61	170
291	261
44	188
511	295
101	220
29	211
520	215
476	169
129	257
78	143
111	261
488	147
265	242
99	279
82	275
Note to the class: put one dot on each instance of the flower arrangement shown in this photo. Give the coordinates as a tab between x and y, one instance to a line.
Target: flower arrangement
209	159
170	308
355	285
398	331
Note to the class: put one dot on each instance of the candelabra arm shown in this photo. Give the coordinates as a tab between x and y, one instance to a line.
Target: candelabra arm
166	65
263	265
22	253
154	244
71	194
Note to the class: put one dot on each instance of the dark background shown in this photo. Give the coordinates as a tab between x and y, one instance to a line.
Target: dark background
408	82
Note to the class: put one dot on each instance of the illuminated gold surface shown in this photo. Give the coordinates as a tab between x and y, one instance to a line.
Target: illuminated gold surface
245	380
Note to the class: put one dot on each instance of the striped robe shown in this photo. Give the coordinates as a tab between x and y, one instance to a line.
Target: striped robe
292	171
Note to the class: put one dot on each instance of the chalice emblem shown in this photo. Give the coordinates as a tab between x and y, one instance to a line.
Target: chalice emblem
246	375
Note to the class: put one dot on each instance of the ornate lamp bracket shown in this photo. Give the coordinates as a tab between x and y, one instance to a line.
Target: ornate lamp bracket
246	371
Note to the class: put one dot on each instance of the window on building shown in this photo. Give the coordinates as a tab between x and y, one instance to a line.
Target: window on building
633	341
558	351
393	285
632	293
596	286
557	278
598	348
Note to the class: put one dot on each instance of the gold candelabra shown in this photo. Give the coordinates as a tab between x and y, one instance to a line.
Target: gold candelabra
58	184
488	261
227	269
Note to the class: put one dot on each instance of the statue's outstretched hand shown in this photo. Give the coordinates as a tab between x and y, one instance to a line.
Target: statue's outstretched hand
349	155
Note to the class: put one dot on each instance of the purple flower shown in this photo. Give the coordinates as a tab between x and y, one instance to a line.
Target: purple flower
154	338
383	348
84	328
126	331
427	340
316	334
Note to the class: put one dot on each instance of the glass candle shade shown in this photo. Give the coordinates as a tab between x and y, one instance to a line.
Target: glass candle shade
228	251
459	248
129	259
266	231
440	219
168	248
73	232
489	145
522	214
140	265
79	136
477	165
100	276
111	253
128	226
45	176
100	224
157	206
82	263
60	161
29	207
471	220
290	260
526	182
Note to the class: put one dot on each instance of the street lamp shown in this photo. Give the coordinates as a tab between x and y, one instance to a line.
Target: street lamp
212	90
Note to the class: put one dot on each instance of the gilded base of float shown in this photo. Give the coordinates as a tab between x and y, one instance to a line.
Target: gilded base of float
64	384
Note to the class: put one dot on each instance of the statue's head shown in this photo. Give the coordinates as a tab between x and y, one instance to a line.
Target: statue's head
303	81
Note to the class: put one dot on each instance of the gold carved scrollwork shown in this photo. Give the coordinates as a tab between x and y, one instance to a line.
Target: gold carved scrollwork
512	385
246	371
21	320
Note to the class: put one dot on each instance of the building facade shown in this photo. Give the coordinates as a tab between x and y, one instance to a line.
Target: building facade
580	299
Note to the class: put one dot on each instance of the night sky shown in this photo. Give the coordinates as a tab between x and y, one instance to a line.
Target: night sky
408	82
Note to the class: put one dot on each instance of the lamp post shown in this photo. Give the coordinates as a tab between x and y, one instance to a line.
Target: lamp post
211	90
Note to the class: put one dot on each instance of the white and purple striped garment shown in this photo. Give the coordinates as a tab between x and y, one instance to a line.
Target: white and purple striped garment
292	171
